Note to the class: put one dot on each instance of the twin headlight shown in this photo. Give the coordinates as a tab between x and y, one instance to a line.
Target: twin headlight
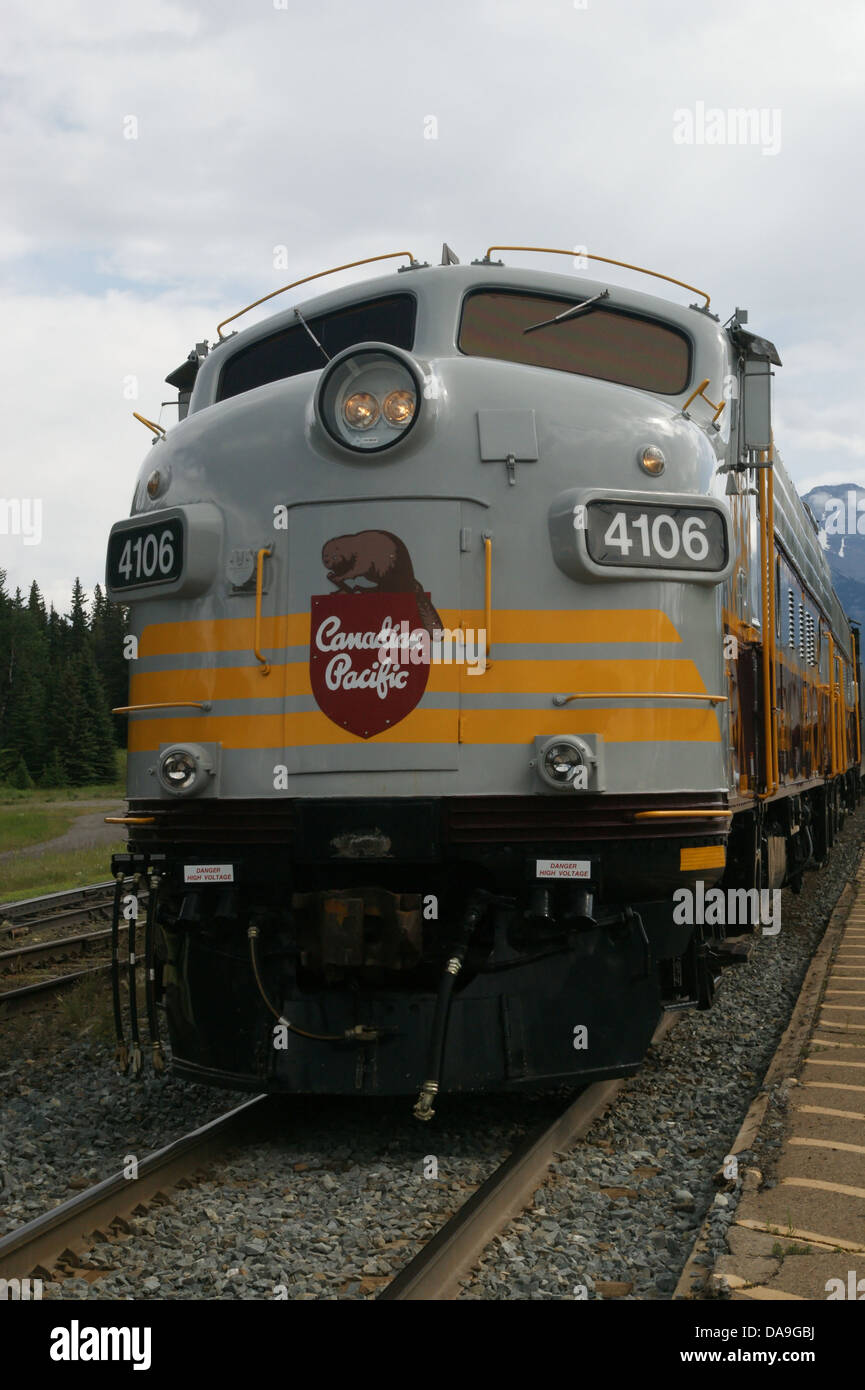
368	399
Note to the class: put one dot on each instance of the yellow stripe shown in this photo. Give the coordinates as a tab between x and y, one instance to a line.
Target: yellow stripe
793	1233
703	857
502	677
509	625
818	1185
430	726
827	1144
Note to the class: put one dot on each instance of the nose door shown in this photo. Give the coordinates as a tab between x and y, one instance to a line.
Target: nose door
369	584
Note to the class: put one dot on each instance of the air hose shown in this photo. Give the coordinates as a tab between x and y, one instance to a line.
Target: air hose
359	1034
121	1054
423	1108
150	975
135	1047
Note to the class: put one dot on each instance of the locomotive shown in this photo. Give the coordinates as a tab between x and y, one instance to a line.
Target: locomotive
475	617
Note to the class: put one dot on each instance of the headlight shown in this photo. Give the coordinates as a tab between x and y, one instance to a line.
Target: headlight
184	770
368	399
561	762
360	410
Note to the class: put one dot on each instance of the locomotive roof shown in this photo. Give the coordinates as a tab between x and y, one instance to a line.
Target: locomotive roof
450	282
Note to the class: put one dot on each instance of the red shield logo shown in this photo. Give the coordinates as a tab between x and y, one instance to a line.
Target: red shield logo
362	678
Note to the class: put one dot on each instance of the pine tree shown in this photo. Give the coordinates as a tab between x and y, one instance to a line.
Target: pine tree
20	777
54	773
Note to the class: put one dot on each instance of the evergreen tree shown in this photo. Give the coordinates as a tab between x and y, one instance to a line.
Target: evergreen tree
53	773
20	777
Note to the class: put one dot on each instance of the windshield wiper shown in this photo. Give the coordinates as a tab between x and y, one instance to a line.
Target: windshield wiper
570	313
323	352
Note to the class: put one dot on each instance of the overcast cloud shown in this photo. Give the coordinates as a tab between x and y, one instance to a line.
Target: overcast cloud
304	126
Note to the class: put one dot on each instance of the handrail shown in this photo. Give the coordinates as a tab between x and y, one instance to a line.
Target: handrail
488	594
129	820
681	815
641	270
158	430
164	704
701	391
768	632
640	695
350	265
259	573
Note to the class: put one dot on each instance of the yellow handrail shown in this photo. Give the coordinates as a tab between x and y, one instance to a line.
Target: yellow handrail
259	573
767	572
680	815
642	695
157	429
163	704
641	270
701	391
367	260
488	593
129	820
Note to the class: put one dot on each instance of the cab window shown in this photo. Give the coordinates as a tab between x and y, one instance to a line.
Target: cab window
609	344
292	351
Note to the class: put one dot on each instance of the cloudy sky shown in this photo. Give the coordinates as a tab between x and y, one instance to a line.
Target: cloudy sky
155	154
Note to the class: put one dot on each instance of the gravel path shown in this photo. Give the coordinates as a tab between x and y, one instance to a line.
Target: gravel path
85	832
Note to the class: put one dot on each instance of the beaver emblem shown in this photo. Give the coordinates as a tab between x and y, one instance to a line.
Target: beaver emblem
383	561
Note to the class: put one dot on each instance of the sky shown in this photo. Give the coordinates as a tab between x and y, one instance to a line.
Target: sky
157	157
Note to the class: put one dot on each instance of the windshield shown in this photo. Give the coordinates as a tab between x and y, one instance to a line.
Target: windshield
609	344
292	351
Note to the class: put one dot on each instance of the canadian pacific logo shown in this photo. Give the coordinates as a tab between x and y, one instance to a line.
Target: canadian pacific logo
356	677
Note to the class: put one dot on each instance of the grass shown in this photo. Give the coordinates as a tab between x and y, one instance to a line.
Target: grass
30	825
51	873
87	1009
44	796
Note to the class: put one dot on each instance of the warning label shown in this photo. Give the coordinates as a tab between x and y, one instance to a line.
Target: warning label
563	868
208	873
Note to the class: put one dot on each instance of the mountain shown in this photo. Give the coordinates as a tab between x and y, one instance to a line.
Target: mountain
840	512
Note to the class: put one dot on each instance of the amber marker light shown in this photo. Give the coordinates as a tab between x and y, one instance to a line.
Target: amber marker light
652	460
153	483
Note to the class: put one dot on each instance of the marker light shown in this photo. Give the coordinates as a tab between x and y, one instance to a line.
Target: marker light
184	769
561	762
652	460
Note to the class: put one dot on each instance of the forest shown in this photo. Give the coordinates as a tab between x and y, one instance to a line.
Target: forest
60	677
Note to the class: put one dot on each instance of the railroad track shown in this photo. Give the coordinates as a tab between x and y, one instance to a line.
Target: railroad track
48	914
99	1212
51	909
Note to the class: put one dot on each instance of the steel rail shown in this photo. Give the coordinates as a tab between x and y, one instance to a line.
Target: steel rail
455	1249
40	1242
58	946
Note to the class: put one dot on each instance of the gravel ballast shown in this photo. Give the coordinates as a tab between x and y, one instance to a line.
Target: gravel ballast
341	1194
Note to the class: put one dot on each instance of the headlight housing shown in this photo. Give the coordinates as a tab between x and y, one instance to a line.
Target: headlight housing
568	763
369	399
184	769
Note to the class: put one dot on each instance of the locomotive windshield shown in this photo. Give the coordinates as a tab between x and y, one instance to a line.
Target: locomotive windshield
293	350
609	344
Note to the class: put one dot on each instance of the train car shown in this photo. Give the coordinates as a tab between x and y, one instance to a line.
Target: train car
479	637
